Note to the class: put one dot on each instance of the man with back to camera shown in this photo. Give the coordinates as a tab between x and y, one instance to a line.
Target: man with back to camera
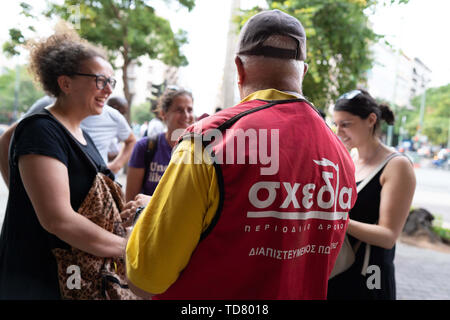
250	225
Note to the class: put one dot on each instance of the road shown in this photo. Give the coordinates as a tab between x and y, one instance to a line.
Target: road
433	192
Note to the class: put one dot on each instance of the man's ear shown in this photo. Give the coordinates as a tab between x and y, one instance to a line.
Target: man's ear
64	83
240	70
305	68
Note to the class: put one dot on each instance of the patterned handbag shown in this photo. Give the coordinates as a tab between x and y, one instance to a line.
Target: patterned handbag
100	278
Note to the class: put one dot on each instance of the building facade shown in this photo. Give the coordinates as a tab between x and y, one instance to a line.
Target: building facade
395	77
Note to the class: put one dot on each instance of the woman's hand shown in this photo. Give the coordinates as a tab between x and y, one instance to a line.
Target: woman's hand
141	200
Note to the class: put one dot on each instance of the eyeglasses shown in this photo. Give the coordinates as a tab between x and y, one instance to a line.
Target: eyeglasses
100	80
350	95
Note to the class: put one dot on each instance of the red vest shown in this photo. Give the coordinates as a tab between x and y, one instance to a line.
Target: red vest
285	194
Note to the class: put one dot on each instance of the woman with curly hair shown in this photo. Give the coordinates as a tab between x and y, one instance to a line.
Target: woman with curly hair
49	176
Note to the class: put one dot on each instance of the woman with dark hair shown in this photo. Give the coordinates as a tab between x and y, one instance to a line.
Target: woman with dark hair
386	184
53	164
151	155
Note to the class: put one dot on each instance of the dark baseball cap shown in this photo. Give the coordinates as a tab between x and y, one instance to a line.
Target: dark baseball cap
265	24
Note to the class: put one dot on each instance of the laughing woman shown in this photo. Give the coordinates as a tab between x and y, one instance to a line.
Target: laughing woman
383	204
49	177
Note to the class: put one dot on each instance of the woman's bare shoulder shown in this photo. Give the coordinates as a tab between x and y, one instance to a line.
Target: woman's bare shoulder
399	167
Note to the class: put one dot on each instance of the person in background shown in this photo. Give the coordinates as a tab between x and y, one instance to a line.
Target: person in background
121	105
382	206
203	116
156	125
143	129
249	227
106	127
49	177
143	174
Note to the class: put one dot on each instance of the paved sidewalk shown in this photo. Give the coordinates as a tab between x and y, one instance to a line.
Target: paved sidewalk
422	274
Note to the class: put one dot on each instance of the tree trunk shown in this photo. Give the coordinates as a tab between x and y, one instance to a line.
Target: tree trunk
126	88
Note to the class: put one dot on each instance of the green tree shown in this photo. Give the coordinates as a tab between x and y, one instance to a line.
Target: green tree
27	91
141	113
436	117
338	43
127	28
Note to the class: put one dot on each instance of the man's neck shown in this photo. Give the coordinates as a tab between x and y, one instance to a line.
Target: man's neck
272	94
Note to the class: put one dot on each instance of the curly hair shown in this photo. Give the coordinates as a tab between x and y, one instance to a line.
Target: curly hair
59	54
165	101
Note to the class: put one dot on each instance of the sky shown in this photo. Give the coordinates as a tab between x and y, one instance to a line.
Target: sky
419	28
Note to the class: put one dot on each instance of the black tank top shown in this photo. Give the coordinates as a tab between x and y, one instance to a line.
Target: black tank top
351	284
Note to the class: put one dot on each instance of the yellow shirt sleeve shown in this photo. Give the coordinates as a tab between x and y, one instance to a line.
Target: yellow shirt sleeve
168	230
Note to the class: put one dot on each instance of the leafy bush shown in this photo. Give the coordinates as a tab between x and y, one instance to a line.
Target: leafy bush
443	233
141	113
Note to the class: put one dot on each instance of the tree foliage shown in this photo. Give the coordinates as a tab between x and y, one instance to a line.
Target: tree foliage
141	113
127	28
436	121
27	92
338	43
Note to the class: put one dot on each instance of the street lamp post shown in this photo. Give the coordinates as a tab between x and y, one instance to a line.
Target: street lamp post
422	111
402	129
448	139
390	128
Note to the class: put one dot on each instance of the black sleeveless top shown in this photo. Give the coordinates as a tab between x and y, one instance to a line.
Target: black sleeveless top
351	284
27	266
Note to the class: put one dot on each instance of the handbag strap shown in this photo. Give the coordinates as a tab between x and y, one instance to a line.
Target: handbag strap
366	180
46	114
98	168
152	145
75	143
